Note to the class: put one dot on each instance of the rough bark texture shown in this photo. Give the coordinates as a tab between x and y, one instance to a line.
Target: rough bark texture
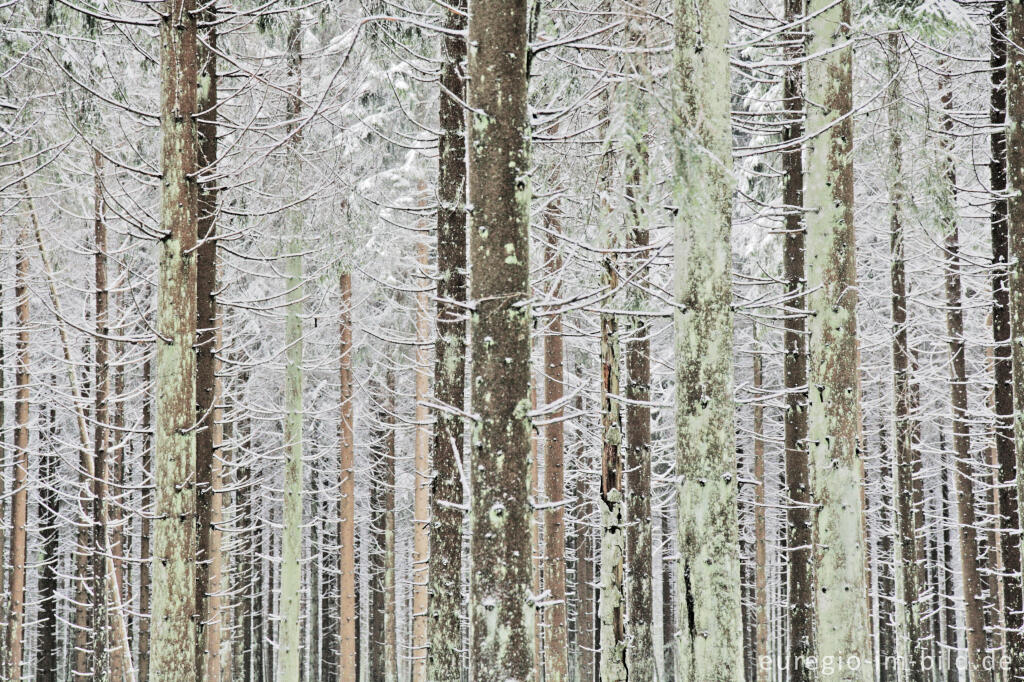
1009	543
972	587
502	611
15	657
800	574
640	658
208	434
174	550
445	661
838	554
348	606
1015	227
711	639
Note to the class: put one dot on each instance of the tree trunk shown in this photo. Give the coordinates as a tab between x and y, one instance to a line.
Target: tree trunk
383	661
174	552
556	646
19	493
502	613
289	657
348	606
1009	521
145	553
841	616
668	619
421	464
208	431
613	511
972	587
760	521
905	462
1014	146
585	612
640	658
445	660
47	646
101	431
711	643
800	604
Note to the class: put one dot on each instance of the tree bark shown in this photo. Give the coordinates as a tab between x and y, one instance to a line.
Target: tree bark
445	659
209	430
760	519
421	464
905	463
640	658
47	646
502	612
289	656
841	616
971	585
585	612
710	647
556	641
19	503
1015	226
1009	521
800	604
174	552
348	606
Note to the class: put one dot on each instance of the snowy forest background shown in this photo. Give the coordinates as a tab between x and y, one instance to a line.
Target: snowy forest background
325	202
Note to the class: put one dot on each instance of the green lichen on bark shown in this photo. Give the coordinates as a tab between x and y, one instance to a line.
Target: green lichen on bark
841	613
174	525
502	608
289	637
710	645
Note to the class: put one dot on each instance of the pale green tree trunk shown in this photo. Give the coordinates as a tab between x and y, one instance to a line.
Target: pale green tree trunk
289	630
711	631
832	415
502	610
174	524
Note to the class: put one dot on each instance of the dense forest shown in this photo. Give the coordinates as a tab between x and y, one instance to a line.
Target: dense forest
511	341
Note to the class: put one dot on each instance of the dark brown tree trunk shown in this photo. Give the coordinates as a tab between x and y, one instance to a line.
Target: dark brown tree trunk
101	430
800	606
446	660
1003	365
501	612
208	429
47	647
